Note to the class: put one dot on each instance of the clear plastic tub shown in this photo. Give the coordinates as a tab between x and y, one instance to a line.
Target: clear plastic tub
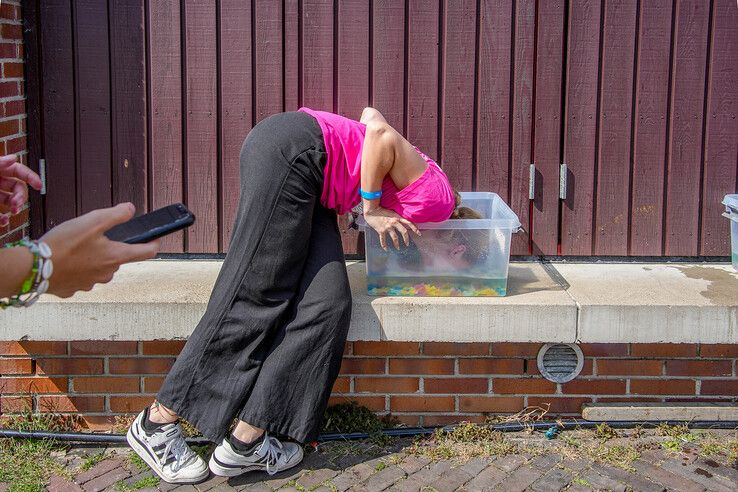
460	257
731	212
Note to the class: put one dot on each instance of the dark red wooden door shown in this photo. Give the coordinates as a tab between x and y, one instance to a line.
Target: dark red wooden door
149	101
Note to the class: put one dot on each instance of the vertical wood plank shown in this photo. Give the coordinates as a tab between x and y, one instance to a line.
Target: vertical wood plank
165	103
235	104
547	136
649	140
422	93
685	151
459	54
317	54
580	125
58	118
201	125
722	128
291	55
268	49
92	77
128	95
33	76
353	82
522	120
616	102
493	128
388	84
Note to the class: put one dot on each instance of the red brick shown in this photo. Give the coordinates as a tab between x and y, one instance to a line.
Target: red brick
16	145
103	347
422	403
73	404
19	219
448	348
33	385
386	385
452	419
12	70
129	404
15	404
491	366
455	385
532	367
16	366
8	89
163	347
152	384
9	12
558	405
699	367
362	366
106	384
8	50
33	348
140	365
516	349
342	385
727	387
719	350
662	387
490	404
13	108
16	235
69	366
21	50
98	422
386	348
594	387
373	403
348	348
527	386
11	31
420	366
408	420
9	127
604	349
663	349
629	367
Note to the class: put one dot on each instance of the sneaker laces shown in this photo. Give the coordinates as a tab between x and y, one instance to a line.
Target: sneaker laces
273	450
178	448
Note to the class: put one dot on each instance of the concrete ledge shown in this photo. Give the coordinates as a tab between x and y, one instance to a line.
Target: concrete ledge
599	412
619	303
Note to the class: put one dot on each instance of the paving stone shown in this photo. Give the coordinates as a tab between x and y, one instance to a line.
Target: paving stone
104	481
352	476
423	477
4	486
523	476
597	481
700	475
60	484
186	488
714	467
635	482
452	479
486	480
314	478
413	463
166	486
510	462
256	487
578	488
214	482
100	469
666	478
381	480
552	481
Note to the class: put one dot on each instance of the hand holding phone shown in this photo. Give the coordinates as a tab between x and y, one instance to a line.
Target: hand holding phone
152	225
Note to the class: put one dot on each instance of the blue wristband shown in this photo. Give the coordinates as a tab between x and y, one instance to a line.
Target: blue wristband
370	195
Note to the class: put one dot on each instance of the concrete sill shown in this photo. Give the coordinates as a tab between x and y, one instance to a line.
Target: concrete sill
606	303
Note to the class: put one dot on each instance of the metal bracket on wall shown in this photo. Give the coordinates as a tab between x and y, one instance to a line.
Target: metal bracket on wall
562	181
42	174
532	183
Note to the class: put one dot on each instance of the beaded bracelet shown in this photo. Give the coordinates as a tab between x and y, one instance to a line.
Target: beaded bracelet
37	282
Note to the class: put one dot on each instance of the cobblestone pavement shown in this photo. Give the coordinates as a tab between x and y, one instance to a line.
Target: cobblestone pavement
534	463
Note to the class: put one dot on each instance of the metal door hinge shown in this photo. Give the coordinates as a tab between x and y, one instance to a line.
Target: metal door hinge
532	183
562	181
42	174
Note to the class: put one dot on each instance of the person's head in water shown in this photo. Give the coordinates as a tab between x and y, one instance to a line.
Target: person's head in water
453	249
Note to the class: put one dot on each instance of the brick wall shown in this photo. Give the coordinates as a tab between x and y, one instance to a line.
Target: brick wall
421	383
12	104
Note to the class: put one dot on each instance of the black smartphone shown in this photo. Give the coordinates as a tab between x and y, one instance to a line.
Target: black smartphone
152	225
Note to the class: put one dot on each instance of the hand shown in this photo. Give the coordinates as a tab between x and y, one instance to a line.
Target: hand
386	221
84	256
13	190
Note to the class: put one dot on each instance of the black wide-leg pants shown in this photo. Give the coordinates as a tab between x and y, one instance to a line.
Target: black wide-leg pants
270	344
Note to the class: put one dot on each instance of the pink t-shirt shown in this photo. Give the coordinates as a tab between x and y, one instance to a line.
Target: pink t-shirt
429	198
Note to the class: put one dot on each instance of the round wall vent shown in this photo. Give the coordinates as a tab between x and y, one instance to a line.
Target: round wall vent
560	362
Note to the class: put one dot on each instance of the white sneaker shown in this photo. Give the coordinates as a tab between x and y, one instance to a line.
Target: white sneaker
166	452
271	456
